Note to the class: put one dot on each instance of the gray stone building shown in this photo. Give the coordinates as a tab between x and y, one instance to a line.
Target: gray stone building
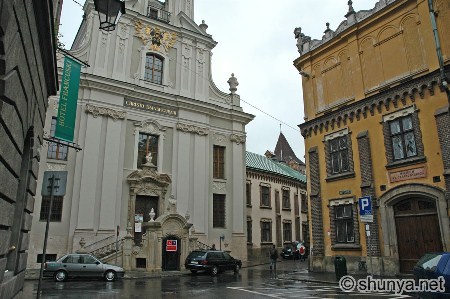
27	78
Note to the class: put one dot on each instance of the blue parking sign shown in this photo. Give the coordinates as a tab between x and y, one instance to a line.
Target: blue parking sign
365	206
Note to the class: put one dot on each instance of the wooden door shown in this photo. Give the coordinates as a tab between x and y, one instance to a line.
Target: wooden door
418	231
143	206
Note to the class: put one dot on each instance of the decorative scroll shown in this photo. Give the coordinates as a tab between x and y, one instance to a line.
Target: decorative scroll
192	129
96	111
239	139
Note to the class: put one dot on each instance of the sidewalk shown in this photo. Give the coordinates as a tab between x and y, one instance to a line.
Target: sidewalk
298	271
286	270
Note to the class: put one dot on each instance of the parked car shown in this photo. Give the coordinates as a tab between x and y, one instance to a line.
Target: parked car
431	266
81	265
289	251
213	261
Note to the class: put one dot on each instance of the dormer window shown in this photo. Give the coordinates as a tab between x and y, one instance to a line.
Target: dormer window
153	14
153	68
155	11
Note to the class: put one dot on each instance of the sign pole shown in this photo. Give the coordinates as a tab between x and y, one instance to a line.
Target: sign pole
52	184
370	251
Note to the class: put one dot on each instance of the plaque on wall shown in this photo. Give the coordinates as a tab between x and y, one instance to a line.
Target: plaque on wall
407	174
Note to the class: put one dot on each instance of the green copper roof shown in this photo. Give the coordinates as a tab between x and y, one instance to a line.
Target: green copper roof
259	162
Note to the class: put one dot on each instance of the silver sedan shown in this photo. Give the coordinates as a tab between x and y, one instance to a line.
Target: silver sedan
81	265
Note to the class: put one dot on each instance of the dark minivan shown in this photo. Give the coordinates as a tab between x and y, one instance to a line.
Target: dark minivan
213	261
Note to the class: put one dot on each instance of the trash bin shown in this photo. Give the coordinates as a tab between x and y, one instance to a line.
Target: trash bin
340	267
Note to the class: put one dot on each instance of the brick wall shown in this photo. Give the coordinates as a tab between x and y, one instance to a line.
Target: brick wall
27	78
367	189
316	203
443	126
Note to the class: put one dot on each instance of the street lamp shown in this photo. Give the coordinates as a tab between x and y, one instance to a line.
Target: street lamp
109	12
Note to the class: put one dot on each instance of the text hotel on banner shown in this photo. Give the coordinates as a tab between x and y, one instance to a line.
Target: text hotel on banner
67	109
171	245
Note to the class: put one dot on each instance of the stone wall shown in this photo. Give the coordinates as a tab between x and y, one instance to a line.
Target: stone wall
27	78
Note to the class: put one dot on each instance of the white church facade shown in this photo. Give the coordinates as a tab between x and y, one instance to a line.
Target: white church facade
163	149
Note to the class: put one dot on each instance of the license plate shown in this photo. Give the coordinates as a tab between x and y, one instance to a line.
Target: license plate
194	263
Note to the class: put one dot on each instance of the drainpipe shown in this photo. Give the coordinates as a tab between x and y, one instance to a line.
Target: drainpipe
444	83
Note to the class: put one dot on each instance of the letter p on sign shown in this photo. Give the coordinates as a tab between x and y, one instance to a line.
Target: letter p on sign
365	206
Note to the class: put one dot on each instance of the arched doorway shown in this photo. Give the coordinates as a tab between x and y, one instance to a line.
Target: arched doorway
418	232
171	252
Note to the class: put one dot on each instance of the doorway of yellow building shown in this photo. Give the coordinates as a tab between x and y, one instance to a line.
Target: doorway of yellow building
418	231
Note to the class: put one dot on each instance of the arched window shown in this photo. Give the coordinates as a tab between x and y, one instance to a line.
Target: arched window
153	68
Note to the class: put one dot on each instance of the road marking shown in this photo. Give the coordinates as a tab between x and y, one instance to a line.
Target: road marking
253	292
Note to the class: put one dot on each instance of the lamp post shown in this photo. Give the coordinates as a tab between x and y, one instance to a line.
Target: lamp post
109	12
221	238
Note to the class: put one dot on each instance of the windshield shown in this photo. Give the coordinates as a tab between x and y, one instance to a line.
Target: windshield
429	260
196	254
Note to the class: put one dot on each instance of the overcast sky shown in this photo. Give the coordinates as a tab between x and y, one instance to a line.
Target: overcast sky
256	43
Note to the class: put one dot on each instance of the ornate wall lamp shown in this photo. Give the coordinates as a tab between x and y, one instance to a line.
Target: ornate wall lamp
109	12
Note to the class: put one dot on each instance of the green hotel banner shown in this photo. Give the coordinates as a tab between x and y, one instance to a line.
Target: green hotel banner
67	110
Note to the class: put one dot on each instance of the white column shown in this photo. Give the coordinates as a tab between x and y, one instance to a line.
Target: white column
89	175
198	207
238	188
111	169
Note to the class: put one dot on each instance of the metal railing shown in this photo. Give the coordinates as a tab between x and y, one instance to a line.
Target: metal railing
108	249
203	246
158	14
92	245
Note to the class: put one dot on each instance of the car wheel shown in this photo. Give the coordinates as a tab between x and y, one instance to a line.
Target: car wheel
236	269
214	270
110	275
61	276
193	271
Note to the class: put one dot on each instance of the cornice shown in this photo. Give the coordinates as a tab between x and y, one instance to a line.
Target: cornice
126	89
372	104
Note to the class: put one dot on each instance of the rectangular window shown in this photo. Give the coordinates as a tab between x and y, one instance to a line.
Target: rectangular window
304	203
286	199
219	162
153	68
287	231
338	149
249	231
56	151
147	149
48	258
266	231
265	196
344	224
56	208
219	211
402	138
153	14
248	194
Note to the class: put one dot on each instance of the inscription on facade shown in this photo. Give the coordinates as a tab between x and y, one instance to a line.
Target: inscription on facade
408	174
146	106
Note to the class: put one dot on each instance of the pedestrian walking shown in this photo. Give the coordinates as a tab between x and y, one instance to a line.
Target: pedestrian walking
302	251
213	247
273	259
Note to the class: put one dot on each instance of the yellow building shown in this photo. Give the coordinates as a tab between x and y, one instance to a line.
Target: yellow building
377	124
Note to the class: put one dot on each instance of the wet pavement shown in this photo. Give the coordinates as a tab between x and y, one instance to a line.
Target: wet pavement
290	281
